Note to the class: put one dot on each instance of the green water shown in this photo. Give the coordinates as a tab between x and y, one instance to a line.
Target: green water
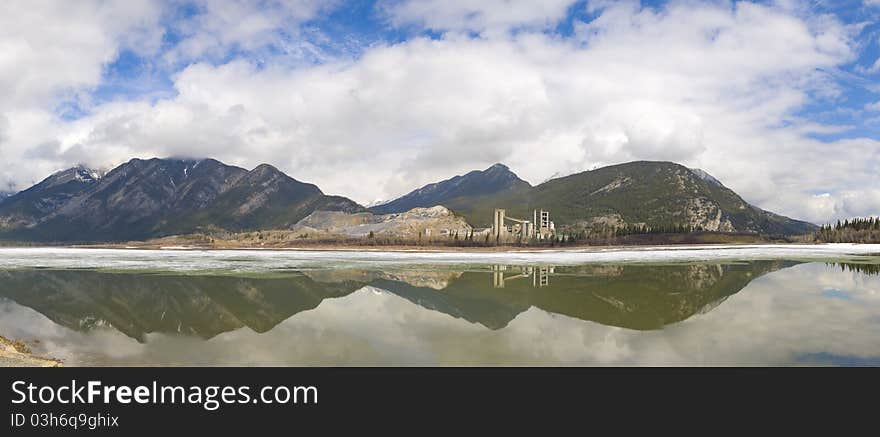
730	313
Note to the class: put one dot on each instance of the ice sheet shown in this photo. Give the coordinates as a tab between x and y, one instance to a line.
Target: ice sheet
273	260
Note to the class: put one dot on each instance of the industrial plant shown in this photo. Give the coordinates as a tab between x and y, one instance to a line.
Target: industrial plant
540	276
539	228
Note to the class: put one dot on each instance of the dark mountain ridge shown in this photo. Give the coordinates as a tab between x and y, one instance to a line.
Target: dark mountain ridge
495	180
5	194
156	197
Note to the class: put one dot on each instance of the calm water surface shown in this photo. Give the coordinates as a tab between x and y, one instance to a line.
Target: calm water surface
331	312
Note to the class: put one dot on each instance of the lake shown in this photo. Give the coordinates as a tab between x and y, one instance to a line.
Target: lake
733	305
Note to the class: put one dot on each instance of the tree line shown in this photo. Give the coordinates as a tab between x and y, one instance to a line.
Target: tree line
856	230
866	269
662	228
858	224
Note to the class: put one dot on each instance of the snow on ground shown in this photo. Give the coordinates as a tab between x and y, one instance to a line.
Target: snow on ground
271	260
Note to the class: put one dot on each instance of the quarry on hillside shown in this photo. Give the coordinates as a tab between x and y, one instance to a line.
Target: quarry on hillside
433	222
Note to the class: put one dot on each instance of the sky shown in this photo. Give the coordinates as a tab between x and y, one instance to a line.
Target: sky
779	99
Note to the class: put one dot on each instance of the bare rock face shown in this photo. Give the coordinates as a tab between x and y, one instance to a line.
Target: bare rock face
431	223
611	221
703	213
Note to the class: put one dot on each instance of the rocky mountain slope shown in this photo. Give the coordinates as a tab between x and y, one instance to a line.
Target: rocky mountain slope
149	198
427	222
493	181
635	193
44	198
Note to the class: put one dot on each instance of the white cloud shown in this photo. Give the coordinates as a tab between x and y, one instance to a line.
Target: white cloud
491	17
49	47
51	51
219	26
713	86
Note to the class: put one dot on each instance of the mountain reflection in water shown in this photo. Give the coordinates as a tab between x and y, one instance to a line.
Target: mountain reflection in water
632	296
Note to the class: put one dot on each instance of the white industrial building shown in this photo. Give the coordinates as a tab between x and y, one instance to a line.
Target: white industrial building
539	227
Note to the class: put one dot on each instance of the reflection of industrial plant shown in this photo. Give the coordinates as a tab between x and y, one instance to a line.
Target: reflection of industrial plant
540	227
540	276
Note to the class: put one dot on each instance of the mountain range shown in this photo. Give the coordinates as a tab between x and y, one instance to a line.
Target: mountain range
643	192
143	199
146	198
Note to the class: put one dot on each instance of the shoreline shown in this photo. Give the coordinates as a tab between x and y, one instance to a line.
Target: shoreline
446	249
281	240
18	354
184	243
424	249
433	249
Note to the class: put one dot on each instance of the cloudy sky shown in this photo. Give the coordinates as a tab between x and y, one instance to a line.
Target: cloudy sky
372	98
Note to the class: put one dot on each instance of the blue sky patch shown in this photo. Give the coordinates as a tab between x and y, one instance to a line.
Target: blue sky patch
837	294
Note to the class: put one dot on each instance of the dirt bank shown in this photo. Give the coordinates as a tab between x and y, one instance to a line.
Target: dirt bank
18	354
285	240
